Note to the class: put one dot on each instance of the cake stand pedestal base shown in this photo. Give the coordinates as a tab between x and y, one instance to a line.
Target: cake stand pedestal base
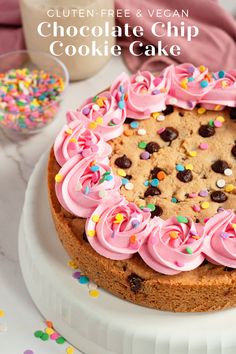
107	324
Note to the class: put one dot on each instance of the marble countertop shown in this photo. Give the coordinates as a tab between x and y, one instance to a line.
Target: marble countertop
18	158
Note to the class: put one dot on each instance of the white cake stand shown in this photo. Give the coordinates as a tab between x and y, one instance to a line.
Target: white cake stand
105	325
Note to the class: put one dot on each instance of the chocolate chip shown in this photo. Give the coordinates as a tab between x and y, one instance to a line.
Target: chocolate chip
181	114
169	134
228	269
128	120
205	262
169	109
157	212
232	113
233	151
155	171
85	237
152	191
152	147
219	166
218	197
123	162
135	282
185	176
206	131
128	177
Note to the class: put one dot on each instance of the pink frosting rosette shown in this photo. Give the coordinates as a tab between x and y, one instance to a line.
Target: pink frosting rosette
145	93
117	231
84	184
103	114
223	92
188	85
173	246
220	241
76	139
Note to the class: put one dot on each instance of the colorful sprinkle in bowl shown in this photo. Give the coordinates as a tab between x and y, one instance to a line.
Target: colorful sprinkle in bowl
32	86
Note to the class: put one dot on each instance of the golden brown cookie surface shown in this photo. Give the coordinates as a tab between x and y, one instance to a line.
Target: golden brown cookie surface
182	163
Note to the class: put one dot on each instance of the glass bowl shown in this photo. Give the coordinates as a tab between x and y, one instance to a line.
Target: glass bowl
31	96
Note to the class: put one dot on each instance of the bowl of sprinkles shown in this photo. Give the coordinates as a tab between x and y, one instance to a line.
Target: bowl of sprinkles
32	86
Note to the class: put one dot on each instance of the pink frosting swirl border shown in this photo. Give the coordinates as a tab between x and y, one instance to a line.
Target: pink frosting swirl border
168	254
116	238
145	92
223	91
134	97
76	139
81	189
106	119
220	243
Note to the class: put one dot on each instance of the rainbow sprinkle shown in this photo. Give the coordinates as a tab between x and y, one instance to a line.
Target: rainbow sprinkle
29	99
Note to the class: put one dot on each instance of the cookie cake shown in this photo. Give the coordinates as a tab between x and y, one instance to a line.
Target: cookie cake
142	189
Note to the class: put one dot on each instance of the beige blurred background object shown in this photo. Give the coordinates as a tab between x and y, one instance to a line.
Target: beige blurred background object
35	12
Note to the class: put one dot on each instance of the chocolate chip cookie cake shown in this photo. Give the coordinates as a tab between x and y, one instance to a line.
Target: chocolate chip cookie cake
142	188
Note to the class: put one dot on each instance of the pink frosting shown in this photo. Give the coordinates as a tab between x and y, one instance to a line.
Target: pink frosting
186	90
222	93
108	118
220	241
76	139
82	190
116	238
87	187
168	255
145	93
